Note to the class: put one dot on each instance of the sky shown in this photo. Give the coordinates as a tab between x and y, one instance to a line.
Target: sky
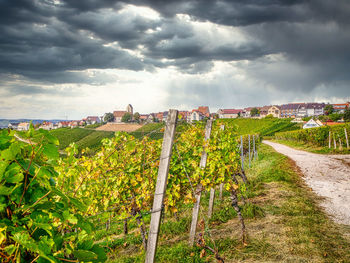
71	59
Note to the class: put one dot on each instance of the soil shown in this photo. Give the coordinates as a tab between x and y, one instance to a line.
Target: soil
327	175
119	127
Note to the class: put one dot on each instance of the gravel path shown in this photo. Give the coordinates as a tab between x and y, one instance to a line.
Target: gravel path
327	175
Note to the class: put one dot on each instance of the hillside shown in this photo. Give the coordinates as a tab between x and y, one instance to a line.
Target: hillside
92	138
82	137
266	127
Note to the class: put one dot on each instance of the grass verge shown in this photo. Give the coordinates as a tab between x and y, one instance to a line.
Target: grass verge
313	148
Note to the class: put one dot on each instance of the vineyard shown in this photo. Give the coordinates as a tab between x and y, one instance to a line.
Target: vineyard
332	137
141	198
265	127
51	205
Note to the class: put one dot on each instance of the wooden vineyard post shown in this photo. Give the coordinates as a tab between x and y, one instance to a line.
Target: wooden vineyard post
346	138
196	206
162	178
254	150
222	127
249	149
340	145
242	156
335	143
125	226
330	139
221	189
211	202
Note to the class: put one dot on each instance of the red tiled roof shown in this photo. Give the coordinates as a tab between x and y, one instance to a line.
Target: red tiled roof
230	111
204	110
118	113
92	118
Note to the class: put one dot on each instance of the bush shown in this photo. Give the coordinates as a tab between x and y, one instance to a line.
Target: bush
37	220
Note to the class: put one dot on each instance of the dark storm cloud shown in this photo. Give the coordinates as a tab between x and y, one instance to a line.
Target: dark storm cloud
31	90
54	40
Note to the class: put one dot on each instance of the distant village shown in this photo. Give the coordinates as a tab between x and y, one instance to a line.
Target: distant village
296	111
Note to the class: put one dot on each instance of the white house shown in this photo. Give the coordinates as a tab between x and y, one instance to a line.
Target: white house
196	115
23	126
229	113
312	124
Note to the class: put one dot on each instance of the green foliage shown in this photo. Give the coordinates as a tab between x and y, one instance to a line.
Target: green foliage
128	168
347	115
67	135
93	141
317	136
328	109
254	112
264	127
137	116
335	116
307	118
92	126
109	117
126	117
36	219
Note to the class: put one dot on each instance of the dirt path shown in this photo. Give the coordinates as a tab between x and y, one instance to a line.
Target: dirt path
327	175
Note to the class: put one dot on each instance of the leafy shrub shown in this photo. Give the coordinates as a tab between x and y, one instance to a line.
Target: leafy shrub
37	221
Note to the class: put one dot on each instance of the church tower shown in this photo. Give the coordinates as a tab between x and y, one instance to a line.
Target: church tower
130	109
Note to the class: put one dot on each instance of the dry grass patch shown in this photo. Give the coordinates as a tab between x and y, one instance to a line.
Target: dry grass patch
119	127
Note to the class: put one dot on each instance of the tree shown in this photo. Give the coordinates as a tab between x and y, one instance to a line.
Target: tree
254	112
109	117
137	116
126	117
328	109
335	116
347	115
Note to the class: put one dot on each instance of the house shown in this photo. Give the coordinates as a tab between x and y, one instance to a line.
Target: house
92	120
310	109
196	115
151	117
73	124
183	115
118	115
312	124
63	124
229	113
246	112
263	111
204	110
341	108
318	108
289	110
159	116
275	111
143	117
46	125
23	126
165	115
13	125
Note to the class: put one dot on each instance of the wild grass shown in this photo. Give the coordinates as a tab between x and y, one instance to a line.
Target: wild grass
314	148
